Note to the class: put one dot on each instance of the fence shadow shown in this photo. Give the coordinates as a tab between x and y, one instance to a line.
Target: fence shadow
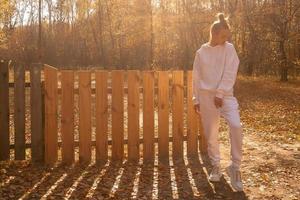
177	179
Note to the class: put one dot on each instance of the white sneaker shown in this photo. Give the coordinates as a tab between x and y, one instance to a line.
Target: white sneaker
215	174
235	178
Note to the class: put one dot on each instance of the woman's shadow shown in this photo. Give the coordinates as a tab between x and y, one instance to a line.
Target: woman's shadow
222	188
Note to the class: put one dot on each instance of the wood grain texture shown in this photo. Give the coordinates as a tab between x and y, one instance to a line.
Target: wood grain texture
101	116
85	114
133	115
4	111
148	116
19	111
117	115
163	115
37	113
67	116
177	113
51	114
192	118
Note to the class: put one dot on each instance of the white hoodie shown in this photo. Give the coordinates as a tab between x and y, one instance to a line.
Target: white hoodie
215	70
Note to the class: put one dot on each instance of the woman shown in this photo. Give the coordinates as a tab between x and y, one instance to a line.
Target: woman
214	74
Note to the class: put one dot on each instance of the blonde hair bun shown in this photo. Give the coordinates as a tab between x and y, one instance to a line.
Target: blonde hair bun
221	17
221	23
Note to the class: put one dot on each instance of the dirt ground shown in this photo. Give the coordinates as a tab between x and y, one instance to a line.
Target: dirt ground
270	113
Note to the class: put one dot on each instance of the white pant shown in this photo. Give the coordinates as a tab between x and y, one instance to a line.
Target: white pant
210	117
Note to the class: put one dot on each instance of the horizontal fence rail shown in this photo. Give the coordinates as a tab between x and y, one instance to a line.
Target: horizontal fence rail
96	115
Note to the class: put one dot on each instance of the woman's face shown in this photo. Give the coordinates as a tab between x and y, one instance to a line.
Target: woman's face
222	36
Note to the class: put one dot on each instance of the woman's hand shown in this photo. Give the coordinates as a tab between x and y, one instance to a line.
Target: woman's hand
218	102
197	108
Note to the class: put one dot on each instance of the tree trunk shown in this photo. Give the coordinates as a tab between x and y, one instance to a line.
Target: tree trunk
151	36
283	66
40	33
100	21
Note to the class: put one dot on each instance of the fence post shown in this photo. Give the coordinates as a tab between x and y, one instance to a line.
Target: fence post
4	111
37	116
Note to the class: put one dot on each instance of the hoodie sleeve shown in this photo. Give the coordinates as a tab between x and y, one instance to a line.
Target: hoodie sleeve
196	78
230	72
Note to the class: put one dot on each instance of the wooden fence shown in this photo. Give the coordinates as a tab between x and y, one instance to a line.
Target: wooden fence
93	109
18	85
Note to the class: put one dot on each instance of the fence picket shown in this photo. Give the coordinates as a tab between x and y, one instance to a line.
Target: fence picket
19	113
192	118
51	126
67	115
163	115
117	115
148	116
133	115
101	116
85	114
177	113
37	113
4	111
